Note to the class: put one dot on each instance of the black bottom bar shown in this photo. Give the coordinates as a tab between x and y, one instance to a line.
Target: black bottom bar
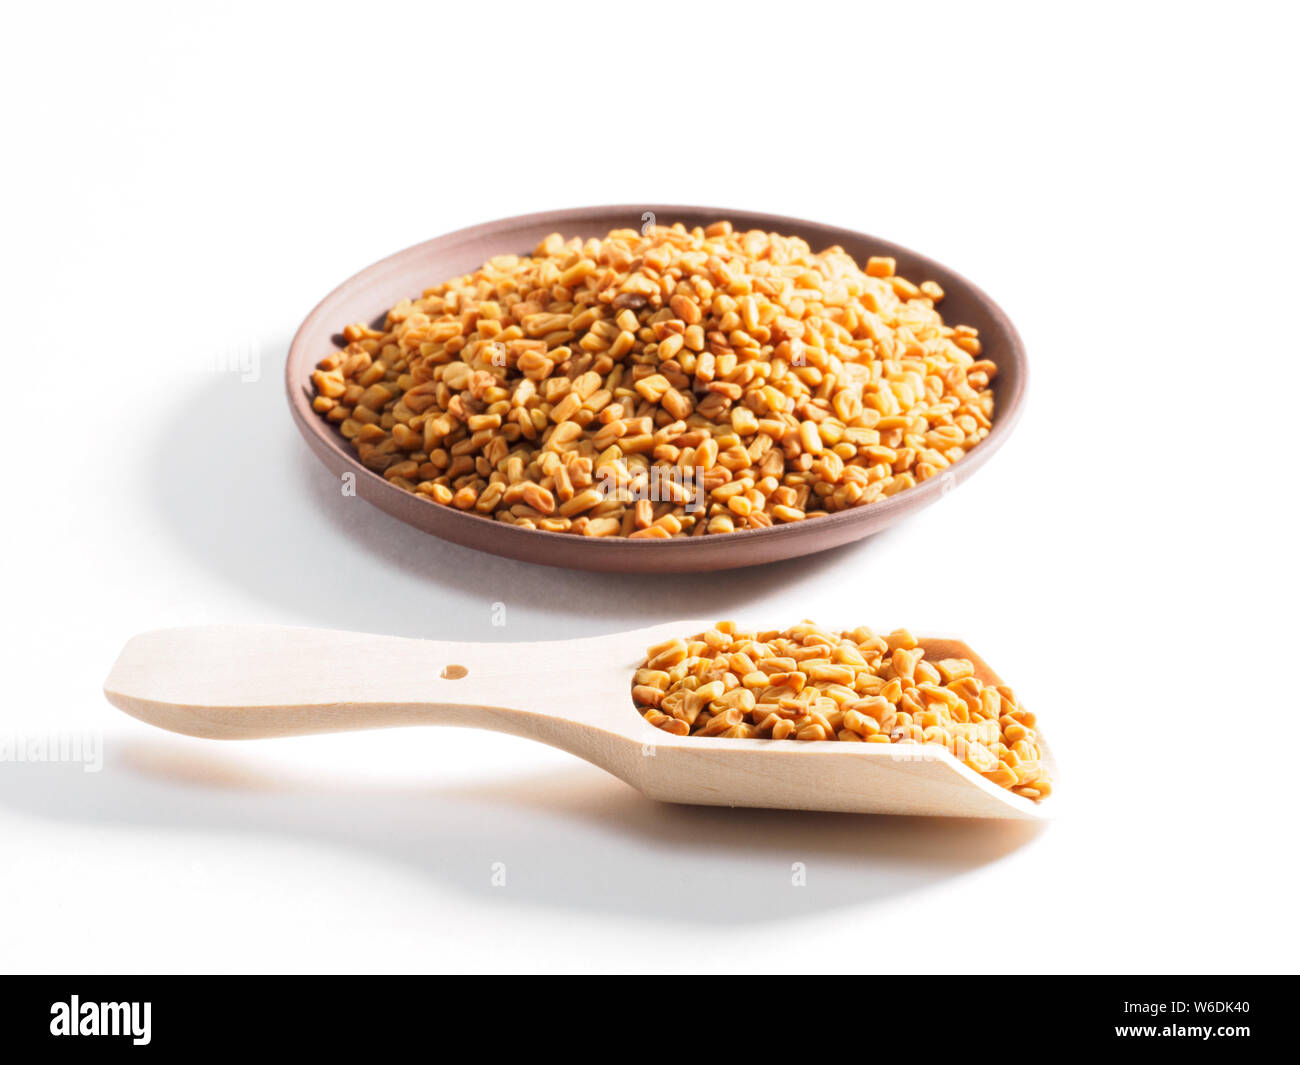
169	1013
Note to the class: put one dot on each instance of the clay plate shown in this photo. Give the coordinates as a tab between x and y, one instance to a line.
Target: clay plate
368	295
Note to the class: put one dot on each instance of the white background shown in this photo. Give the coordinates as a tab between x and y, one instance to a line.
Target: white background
180	184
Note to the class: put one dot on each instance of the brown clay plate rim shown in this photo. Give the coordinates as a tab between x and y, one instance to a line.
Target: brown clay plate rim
747	547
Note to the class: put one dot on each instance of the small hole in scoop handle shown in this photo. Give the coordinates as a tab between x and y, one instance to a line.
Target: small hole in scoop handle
453	672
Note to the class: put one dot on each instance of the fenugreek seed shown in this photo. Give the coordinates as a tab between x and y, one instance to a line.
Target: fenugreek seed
810	437
645	695
669	346
584	500
539	498
686	309
602	527
653	387
782	729
598	350
440	492
673	725
829	673
813	685
901	638
860	723
904	664
665	655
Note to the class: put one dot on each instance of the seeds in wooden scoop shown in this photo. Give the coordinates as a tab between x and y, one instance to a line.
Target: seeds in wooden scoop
672	383
807	683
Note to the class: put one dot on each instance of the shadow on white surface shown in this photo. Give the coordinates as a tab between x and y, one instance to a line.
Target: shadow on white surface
259	511
570	841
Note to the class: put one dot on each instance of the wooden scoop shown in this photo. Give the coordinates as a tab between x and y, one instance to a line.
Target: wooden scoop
249	682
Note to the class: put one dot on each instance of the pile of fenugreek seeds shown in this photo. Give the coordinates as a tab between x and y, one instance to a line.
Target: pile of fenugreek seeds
810	684
673	383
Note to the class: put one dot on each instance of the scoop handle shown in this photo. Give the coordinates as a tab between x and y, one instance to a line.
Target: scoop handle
252	682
